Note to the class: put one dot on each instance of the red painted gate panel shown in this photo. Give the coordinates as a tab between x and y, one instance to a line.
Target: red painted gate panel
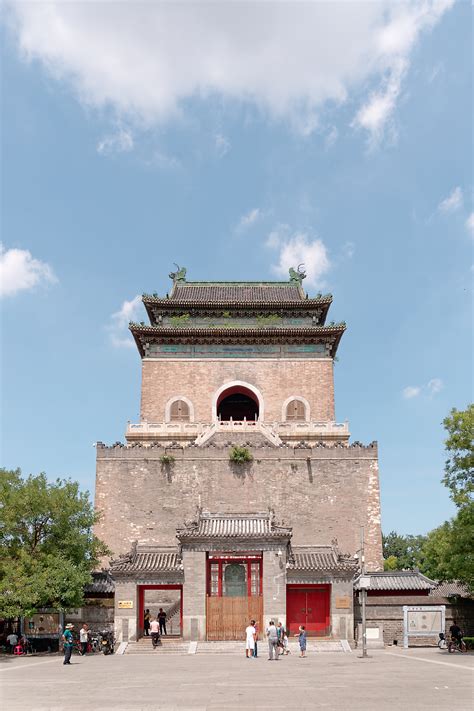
309	606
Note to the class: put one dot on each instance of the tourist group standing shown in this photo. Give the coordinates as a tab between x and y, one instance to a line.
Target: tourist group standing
277	638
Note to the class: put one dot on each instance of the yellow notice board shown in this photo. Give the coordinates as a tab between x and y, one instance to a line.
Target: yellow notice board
125	604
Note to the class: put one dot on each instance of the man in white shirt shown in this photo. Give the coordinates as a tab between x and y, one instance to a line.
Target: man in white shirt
250	634
84	638
12	640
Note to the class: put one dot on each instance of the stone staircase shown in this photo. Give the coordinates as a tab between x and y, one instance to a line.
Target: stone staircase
173	619
175	645
169	645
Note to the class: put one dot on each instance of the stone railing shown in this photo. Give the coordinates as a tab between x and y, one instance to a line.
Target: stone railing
164	430
201	432
303	430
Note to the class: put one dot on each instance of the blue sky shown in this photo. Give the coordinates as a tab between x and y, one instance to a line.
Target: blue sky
238	140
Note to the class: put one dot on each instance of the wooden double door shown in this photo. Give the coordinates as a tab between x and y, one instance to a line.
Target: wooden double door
309	605
227	617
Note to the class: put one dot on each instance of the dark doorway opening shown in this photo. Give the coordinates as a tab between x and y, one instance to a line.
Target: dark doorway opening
237	404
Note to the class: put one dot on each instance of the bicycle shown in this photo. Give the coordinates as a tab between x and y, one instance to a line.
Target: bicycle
457	644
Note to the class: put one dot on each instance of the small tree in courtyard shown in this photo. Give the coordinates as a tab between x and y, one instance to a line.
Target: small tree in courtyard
47	546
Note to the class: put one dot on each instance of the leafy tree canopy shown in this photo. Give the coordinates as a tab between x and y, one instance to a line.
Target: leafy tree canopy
449	549
459	467
402	552
47	546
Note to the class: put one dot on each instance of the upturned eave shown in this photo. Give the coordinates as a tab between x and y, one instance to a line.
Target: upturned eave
162	334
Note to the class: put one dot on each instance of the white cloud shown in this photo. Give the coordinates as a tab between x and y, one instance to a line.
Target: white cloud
249	219
20	271
222	144
164	161
348	249
453	202
331	137
145	60
118	327
435	385
376	112
299	248
470	223
436	71
411	391
119	142
394	42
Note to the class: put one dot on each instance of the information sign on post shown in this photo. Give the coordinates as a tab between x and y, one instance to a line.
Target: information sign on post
423	621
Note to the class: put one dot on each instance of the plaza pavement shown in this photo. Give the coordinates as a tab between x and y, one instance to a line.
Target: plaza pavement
411	680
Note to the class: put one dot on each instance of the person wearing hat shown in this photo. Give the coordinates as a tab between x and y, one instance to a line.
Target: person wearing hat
68	642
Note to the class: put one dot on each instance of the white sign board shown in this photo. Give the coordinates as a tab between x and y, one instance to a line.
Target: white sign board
422	621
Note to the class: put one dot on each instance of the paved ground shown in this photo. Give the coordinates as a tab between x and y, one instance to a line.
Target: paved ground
392	679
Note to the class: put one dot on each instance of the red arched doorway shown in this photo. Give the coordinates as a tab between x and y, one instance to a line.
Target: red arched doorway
237	403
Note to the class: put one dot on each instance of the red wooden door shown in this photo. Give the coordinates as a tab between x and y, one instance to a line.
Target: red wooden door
309	606
296	609
317	611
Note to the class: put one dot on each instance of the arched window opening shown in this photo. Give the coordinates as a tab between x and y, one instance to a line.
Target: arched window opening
179	411
295	411
237	403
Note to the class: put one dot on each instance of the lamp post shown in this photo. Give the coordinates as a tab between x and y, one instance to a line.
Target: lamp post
364	583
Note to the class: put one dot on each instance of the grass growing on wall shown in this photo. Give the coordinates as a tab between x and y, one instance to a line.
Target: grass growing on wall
240	455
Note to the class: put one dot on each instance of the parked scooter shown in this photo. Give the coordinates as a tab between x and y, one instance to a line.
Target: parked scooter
107	642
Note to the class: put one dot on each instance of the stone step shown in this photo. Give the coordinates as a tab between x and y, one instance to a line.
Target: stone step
178	646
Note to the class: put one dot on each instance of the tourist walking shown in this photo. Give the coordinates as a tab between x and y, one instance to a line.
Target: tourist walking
146	623
162	621
302	640
84	638
250	633
155	632
68	642
272	635
281	634
255	649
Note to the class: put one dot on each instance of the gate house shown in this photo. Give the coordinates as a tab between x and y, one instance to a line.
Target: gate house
225	365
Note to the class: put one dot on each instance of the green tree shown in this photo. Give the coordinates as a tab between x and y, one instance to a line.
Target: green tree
448	553
459	467
402	552
47	546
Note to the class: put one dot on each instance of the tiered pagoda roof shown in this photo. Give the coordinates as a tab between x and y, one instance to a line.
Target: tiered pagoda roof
244	313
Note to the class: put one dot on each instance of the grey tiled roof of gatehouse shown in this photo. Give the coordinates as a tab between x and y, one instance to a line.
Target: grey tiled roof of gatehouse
320	558
398	580
454	588
209	525
102	584
148	559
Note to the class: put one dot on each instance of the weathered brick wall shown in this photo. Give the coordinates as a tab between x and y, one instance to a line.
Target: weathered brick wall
388	610
276	380
322	492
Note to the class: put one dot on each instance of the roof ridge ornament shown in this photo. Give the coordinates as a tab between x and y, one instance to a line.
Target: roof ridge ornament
179	274
298	274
